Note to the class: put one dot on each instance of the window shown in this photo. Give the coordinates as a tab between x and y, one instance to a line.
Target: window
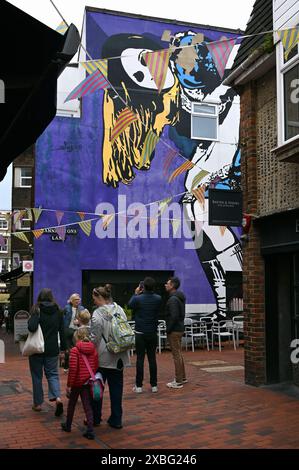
4	249
23	177
3	223
23	224
204	121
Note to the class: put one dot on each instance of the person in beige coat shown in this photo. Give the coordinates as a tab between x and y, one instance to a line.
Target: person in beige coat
111	364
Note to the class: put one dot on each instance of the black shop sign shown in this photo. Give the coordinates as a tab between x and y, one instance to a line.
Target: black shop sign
225	207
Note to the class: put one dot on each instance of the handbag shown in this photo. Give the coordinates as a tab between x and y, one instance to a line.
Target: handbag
35	343
96	383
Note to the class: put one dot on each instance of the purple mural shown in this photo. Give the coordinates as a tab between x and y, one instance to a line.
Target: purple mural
78	168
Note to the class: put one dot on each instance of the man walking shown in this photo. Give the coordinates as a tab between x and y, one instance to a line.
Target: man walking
175	315
145	305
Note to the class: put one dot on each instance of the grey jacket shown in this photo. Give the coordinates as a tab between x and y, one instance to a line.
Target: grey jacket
101	325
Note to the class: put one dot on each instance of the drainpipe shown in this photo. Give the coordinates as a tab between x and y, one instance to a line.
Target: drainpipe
229	81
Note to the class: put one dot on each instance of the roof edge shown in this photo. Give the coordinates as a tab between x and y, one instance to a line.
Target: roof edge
162	20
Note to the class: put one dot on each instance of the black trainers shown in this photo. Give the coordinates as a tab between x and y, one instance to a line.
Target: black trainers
89	435
65	428
59	409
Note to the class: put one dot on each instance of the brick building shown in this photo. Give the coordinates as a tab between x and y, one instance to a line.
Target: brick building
269	134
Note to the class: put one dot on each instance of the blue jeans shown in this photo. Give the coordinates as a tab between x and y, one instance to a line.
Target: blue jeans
115	379
38	363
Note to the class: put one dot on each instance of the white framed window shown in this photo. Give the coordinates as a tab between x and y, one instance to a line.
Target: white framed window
23	224
3	223
204	121
288	95
23	177
4	249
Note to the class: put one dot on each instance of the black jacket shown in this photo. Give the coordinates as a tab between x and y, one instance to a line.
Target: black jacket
146	309
175	312
51	322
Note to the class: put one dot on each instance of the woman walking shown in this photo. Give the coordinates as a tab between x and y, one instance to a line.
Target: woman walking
111	364
47	314
70	314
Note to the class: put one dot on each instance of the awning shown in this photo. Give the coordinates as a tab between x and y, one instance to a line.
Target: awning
11	275
32	58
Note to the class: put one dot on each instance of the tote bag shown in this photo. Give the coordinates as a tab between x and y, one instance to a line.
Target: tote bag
35	343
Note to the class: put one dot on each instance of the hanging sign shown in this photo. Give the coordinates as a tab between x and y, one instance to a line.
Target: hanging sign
225	207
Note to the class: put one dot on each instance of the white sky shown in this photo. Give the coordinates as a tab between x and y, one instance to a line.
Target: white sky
228	13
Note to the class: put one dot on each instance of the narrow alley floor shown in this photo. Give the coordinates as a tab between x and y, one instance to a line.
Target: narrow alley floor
214	410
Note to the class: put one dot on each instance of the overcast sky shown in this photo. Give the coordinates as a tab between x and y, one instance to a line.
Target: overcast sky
229	14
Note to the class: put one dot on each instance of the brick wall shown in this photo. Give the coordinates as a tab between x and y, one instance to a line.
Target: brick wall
253	269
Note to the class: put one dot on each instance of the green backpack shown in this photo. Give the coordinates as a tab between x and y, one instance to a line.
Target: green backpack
122	337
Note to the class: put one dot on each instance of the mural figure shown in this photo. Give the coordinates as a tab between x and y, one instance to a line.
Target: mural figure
191	78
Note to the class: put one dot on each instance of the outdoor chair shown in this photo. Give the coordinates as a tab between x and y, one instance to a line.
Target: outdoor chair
162	335
196	331
221	330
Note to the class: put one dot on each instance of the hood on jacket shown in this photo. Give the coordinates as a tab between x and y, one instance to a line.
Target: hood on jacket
86	348
48	307
179	294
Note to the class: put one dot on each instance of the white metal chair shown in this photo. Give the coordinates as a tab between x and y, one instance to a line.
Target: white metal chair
238	325
221	329
208	322
196	331
162	335
132	324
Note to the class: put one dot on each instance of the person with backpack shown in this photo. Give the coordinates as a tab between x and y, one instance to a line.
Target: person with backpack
175	316
82	365
146	307
106	322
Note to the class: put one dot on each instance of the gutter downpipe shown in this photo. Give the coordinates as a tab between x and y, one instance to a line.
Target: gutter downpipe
229	81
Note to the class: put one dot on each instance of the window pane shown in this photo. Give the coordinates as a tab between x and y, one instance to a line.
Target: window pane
291	105
204	108
26	172
3	224
204	127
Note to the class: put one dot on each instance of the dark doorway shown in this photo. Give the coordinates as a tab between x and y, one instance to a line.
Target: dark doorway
123	285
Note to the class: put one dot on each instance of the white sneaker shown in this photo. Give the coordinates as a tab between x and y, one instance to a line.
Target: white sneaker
174	384
184	381
137	389
154	389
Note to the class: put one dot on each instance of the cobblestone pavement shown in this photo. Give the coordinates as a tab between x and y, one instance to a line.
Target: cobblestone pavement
214	410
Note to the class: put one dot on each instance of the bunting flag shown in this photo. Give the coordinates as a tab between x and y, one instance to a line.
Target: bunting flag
149	145
222	229
175	225
93	65
19	215
197	179
62	28
85	226
107	219
29	214
21	236
61	231
220	52
172	153
2	241
37	213
89	85
81	215
125	118
163	204
199	193
157	63
59	215
38	233
181	169
289	37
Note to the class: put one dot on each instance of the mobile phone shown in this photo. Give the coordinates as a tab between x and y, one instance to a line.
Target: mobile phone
141	284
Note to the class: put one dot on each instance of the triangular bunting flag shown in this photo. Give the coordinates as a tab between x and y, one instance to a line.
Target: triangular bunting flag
38	233
125	118
85	226
157	63
172	153
197	179
199	193
2	241
289	37
89	85
62	28
37	213
93	65
59	215
149	145
19	215
29	214
175	225
222	229
21	236
61	231
181	169
81	215
163	204
220	52
107	219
